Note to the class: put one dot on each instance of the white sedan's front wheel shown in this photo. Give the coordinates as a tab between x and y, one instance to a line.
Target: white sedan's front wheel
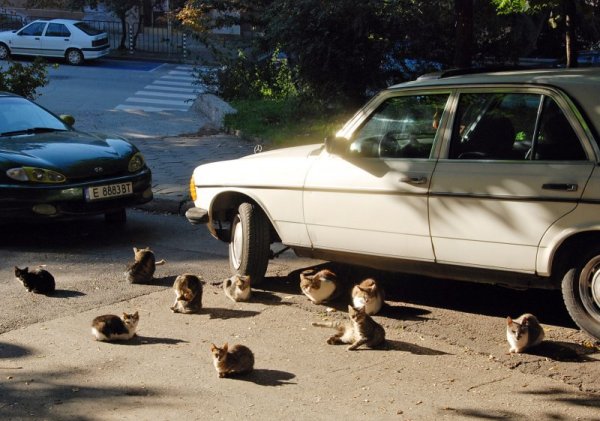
249	248
4	52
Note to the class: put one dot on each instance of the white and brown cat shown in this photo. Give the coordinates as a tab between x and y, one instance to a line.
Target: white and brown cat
523	332
238	288
110	327
238	359
188	294
359	330
320	287
141	271
368	294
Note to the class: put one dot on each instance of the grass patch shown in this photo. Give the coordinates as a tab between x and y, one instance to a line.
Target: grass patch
284	122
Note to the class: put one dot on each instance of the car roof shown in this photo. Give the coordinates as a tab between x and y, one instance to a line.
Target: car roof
72	21
582	85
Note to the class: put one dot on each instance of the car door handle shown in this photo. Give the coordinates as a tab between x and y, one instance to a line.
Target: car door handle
414	180
560	186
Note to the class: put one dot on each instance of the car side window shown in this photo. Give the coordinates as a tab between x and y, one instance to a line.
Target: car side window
34	29
401	127
57	30
512	126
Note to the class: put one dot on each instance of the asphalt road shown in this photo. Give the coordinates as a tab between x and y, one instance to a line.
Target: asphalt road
445	355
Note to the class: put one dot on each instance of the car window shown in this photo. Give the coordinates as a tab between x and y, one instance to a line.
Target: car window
401	127
20	114
57	30
33	29
512	126
90	30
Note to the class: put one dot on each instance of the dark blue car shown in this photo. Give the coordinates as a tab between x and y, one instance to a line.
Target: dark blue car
50	170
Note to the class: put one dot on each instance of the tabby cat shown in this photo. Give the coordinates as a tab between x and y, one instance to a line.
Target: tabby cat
368	294
523	333
321	287
237	288
114	328
188	294
361	329
238	360
142	269
38	280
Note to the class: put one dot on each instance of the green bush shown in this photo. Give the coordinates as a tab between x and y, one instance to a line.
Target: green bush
24	80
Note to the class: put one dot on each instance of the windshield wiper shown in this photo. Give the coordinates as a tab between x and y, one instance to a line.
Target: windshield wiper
32	130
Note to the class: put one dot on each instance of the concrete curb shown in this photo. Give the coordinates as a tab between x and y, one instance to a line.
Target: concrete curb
167	205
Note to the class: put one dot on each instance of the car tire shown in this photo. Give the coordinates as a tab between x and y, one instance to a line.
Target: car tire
581	292
118	217
74	57
4	52
249	248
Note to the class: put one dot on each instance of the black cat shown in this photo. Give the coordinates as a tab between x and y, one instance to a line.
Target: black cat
38	280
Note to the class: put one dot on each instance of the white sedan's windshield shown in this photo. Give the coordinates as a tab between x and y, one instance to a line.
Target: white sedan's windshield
19	115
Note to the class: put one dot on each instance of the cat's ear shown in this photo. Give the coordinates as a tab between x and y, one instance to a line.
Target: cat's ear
135	249
509	321
351	309
136	314
213	347
225	346
525	321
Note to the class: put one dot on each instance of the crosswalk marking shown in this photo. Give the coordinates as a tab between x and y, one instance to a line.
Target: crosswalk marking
174	91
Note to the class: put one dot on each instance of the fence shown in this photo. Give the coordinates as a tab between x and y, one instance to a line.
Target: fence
167	42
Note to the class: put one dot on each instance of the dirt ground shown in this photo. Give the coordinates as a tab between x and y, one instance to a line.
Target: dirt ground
445	355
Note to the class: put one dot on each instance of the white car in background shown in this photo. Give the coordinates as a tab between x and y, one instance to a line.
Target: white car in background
483	177
73	40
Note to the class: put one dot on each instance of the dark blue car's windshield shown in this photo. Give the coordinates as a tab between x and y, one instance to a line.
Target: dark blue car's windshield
17	115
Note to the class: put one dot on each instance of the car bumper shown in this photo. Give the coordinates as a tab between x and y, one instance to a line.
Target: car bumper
68	200
197	216
93	53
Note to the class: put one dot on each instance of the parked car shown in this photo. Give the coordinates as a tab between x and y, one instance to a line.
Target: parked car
74	40
484	177
49	170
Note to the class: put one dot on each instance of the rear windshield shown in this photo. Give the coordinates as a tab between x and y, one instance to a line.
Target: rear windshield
88	29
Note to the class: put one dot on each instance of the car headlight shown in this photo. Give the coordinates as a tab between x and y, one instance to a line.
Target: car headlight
193	189
136	162
38	175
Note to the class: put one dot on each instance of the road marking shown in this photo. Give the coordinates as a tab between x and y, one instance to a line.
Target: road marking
175	91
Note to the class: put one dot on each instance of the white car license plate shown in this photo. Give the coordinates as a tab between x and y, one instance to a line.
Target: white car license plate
108	191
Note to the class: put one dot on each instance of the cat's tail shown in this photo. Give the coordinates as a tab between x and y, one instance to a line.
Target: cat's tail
160	262
335	325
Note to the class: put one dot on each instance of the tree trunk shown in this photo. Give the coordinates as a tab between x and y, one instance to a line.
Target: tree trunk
464	33
571	32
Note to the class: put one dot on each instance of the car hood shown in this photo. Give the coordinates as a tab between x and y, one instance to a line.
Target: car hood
74	154
287	166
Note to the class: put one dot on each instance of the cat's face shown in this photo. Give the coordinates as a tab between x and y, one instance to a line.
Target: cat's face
20	272
516	330
131	320
308	283
139	253
218	353
242	282
357	315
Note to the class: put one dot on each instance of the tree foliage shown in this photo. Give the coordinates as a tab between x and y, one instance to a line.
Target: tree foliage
23	79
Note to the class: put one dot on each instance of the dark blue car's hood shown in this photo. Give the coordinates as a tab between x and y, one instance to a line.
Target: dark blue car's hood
74	154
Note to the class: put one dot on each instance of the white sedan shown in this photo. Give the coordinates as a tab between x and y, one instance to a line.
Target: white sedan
73	40
481	177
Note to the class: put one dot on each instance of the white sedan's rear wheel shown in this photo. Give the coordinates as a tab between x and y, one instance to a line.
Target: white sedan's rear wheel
74	57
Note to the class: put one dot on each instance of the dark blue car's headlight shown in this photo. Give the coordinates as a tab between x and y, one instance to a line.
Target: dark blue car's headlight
136	162
37	175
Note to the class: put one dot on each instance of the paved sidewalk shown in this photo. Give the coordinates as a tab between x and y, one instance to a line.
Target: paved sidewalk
173	159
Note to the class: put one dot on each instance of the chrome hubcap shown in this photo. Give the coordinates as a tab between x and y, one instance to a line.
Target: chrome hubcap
236	246
595	287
